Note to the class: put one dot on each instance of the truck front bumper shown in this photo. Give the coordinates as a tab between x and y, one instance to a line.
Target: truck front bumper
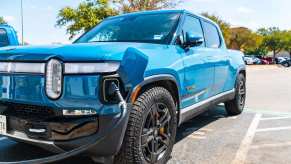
60	134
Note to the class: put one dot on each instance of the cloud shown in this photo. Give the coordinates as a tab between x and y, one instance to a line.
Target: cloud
244	10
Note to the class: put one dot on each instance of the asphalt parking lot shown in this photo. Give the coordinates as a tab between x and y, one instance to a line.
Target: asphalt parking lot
262	134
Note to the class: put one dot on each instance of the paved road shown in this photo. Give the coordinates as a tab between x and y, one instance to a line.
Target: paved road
262	134
269	89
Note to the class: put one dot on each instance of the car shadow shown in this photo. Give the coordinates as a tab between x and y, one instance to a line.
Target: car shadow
16	151
13	151
197	123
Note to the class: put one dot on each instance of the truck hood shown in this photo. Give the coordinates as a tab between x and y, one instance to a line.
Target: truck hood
72	52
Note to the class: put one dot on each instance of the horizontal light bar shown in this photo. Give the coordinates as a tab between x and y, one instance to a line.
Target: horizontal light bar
18	67
79	112
70	68
83	68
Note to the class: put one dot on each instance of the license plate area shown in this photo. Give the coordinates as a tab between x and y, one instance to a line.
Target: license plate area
3	125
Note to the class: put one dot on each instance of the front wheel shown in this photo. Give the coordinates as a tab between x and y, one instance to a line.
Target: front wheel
236	105
151	129
286	64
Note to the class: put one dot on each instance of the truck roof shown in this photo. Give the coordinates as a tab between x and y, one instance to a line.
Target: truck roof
162	11
6	25
11	33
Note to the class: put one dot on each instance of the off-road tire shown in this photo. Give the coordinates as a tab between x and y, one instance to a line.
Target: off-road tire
131	151
236	105
286	64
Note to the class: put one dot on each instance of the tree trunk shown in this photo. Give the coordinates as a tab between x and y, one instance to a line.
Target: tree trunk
290	55
274	56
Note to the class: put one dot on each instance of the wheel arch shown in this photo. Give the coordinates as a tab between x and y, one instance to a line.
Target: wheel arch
242	71
166	81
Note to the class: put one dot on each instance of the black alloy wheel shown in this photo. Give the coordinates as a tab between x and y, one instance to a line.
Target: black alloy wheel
156	133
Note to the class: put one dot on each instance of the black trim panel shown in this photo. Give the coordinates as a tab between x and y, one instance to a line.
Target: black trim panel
198	108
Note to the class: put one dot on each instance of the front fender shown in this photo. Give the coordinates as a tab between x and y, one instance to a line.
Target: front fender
132	67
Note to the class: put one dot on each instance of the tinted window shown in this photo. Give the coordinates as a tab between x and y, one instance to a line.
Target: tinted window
211	35
3	38
192	25
152	28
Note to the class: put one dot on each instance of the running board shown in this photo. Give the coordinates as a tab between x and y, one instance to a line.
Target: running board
200	107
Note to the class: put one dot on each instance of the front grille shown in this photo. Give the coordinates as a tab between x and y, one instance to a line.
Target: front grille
28	111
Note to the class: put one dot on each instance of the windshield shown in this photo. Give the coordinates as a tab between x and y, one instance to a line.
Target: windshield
149	28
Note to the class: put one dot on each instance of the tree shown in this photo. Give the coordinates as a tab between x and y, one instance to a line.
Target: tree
255	46
267	31
287	42
126	6
241	38
224	26
273	40
91	12
2	21
87	15
258	48
249	42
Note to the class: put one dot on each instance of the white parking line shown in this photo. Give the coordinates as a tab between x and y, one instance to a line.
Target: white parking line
198	133
271	145
275	118
206	130
247	141
274	129
196	137
2	138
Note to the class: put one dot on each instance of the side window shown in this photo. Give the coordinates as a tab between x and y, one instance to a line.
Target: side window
192	25
3	38
211	34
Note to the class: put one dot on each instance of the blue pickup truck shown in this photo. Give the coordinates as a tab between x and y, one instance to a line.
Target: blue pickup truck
8	36
119	92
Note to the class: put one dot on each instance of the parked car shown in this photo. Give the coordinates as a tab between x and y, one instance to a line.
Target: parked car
279	60
119	92
264	61
249	60
269	59
8	36
257	60
286	62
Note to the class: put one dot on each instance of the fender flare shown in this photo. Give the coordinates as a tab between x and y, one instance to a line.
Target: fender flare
240	68
156	78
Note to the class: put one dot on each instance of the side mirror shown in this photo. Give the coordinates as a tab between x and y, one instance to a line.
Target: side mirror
193	40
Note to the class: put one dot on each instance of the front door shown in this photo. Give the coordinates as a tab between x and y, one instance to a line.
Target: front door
199	67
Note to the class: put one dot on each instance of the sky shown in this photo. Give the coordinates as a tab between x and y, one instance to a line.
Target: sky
40	15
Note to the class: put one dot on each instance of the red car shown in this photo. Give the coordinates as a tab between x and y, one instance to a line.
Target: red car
268	59
264	61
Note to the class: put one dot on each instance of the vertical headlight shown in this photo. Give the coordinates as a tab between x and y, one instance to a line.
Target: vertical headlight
54	73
